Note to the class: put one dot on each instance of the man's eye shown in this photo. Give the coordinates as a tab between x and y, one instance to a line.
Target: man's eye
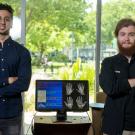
122	34
7	19
132	34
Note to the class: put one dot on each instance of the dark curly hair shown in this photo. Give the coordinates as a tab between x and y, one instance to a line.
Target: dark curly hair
123	23
126	22
7	7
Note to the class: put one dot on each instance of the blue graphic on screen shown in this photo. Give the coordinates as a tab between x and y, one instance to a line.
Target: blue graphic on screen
49	95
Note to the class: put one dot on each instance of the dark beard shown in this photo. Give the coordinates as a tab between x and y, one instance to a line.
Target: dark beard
126	51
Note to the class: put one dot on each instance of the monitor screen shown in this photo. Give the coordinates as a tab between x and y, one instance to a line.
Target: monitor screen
62	95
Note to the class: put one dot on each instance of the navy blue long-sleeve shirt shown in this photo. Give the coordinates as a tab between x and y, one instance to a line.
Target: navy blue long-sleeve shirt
15	61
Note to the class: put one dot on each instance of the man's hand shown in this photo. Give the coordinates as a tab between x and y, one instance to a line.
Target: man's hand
131	82
80	89
80	102
69	89
12	79
69	102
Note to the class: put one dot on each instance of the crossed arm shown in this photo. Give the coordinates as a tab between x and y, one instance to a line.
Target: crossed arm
20	82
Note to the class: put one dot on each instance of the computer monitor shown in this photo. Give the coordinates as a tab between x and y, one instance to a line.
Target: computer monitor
62	96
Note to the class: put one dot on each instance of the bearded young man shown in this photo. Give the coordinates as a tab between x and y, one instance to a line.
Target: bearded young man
117	79
15	75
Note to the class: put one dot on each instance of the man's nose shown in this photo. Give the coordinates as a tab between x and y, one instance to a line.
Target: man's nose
126	37
2	21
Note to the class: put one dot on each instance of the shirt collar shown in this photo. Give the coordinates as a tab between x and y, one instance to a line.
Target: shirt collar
124	58
8	40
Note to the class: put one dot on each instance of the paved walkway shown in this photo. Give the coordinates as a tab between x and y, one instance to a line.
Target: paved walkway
28	116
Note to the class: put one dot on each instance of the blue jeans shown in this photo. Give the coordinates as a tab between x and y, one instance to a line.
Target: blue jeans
11	126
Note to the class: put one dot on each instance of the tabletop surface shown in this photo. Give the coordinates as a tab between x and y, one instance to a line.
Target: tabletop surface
97	105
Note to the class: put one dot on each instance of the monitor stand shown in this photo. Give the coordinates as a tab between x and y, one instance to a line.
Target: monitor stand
61	116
